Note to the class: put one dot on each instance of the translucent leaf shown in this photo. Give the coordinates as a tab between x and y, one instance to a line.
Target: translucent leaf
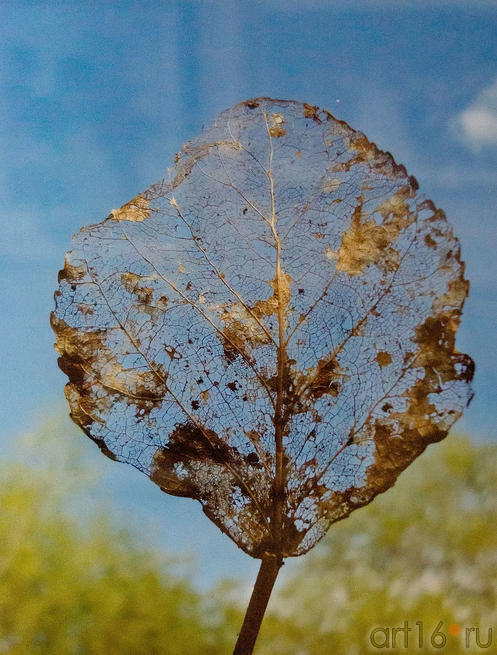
271	330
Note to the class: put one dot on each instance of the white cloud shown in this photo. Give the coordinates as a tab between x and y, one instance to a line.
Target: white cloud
477	124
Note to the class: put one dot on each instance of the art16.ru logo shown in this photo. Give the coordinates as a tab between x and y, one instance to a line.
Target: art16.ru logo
439	636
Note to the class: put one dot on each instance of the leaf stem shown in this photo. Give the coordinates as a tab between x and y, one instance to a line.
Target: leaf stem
256	609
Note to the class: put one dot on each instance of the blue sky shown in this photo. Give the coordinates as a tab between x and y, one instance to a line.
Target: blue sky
96	97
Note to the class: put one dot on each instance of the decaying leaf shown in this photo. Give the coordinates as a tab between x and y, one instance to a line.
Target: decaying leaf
273	332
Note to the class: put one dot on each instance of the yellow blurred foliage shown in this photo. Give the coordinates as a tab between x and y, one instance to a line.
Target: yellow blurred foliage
425	552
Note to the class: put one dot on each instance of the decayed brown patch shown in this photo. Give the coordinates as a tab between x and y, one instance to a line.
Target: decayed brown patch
430	241
281	291
453	298
251	104
419	421
243	328
198	464
311	111
136	210
324	378
403	436
71	272
86	310
241	332
276	123
188	444
233	345
368	153
131	282
365	243
96	377
137	285
393	453
383	358
436	340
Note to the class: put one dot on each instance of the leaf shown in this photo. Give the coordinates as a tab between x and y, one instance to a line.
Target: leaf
271	333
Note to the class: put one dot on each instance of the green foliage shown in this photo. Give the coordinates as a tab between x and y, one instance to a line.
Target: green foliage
425	551
85	587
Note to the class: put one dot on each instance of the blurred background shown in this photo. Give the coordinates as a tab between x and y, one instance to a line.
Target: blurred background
96	97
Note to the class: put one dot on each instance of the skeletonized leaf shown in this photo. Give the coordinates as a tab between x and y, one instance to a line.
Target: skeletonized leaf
271	331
